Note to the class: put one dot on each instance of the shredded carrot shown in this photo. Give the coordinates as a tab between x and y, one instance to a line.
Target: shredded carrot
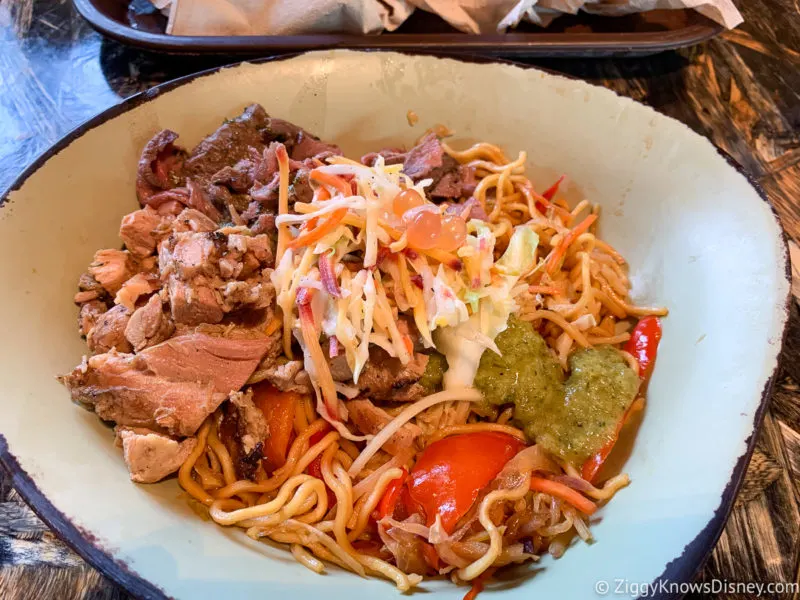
477	584
408	344
283	198
321	194
557	255
333	181
273	326
551	191
545	289
562	203
311	339
353	220
405	281
446	258
477	588
320	231
542	203
563	492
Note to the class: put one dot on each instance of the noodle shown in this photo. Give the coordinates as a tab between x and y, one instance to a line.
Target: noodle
371	502
472	428
408	413
495	537
575	293
561	322
302	556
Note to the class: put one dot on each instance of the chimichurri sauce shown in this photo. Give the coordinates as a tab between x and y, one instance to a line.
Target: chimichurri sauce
573	418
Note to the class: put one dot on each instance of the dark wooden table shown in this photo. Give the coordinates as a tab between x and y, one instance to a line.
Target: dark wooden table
741	90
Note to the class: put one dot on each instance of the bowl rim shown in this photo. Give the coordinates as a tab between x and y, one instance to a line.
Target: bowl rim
681	569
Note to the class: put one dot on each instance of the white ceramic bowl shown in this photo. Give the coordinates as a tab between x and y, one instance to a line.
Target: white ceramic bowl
700	240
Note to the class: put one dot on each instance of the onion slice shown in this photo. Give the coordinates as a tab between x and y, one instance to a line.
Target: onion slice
320	366
327	276
408	413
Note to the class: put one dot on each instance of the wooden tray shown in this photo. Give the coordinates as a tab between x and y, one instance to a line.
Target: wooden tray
136	23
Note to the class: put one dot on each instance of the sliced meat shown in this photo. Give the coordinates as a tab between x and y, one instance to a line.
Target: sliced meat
81	297
238	178
90	289
340	370
264	223
469	181
308	146
301	187
386	378
168	202
111	268
265	165
428	160
424	159
141	230
227	363
409	393
252	211
193	220
193	303
391	156
87	283
198	200
159	166
149	325
299	143
289	377
188	261
120	388
90	312
371	419
259	245
243	430
266	186
211	274
449	183
109	331
141	284
476	211
252	424
266	194
151	456
253	294
190	255
228	145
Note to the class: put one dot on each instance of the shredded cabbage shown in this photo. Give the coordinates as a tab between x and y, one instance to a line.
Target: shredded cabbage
464	344
461	310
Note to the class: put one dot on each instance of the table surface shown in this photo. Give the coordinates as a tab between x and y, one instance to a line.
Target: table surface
741	90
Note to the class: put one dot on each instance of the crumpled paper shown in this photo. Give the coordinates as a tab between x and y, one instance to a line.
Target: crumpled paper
294	17
542	12
282	17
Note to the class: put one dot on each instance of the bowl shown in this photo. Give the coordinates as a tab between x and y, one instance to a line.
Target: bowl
699	236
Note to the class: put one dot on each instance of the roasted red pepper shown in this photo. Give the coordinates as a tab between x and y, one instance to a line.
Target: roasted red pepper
390	497
551	191
314	468
548	195
450	473
278	408
643	345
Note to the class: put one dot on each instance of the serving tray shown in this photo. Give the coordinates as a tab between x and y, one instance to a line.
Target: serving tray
137	23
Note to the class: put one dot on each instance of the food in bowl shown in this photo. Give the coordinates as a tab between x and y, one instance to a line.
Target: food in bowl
409	365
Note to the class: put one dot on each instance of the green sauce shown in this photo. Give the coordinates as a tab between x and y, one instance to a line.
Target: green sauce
432	377
525	375
572	419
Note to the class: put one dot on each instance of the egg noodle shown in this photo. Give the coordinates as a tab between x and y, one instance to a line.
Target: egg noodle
531	255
